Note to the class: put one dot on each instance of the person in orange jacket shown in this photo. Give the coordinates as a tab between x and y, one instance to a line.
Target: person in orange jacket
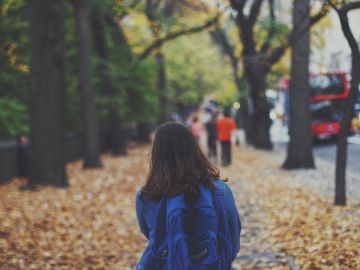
225	126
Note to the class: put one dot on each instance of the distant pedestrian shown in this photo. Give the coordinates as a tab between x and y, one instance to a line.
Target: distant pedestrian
186	212
212	136
225	127
196	128
23	155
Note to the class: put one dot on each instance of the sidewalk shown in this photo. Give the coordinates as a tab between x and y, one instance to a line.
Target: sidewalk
325	165
92	225
290	222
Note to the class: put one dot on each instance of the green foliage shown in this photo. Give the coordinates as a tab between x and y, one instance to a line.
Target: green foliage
135	94
264	25
13	118
133	85
14	62
195	69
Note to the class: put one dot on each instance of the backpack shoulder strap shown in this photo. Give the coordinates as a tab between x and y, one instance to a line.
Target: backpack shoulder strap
178	202
175	203
160	223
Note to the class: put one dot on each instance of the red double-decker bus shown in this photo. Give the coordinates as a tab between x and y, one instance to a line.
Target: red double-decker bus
329	92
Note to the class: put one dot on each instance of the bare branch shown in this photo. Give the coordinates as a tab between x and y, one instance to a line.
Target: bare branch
245	30
342	12
173	35
350	6
266	45
278	52
254	12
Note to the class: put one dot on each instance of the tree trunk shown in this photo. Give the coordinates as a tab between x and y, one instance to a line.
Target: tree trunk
143	132
47	92
116	138
244	112
259	123
91	131
299	151
161	85
341	154
116	133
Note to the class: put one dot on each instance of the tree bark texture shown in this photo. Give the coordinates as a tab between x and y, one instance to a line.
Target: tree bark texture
341	154
299	150
116	139
162	87
256	71
47	92
91	130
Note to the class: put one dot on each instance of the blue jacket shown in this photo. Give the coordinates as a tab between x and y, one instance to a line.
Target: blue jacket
147	219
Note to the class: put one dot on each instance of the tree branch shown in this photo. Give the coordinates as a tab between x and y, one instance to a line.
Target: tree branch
238	5
350	6
117	30
220	37
293	37
254	12
173	35
266	45
342	12
245	30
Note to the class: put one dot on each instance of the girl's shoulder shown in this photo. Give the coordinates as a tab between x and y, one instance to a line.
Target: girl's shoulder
140	200
222	188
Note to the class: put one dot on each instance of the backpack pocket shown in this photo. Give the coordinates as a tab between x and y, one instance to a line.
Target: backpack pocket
152	261
204	254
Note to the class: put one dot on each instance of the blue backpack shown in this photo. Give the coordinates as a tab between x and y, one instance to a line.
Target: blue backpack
189	235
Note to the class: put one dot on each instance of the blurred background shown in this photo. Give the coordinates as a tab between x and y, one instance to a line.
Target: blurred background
84	83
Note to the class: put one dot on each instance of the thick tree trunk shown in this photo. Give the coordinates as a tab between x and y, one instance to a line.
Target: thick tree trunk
47	92
299	151
260	122
91	131
116	138
162	88
341	154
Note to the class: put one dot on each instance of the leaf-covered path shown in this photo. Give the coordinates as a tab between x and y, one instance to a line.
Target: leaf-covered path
92	224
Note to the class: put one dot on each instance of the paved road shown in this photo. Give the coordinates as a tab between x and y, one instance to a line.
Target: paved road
327	150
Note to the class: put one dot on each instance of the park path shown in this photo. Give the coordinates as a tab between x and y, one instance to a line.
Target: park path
256	251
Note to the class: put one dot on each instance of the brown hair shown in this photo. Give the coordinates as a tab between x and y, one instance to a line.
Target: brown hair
177	164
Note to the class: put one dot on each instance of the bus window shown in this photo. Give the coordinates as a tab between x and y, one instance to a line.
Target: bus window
327	84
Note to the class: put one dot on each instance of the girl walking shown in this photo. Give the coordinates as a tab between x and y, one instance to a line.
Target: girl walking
185	211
